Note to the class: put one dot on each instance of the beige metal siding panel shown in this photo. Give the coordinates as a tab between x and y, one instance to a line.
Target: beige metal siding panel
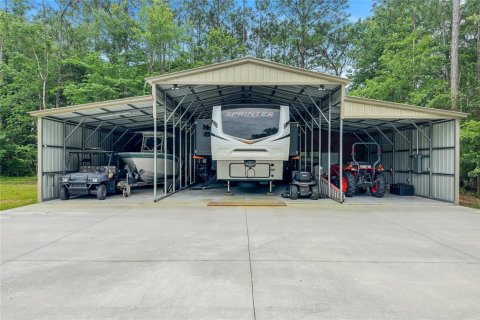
420	182
92	142
356	110
248	74
443	161
443	134
443	188
75	140
40	180
52	133
53	159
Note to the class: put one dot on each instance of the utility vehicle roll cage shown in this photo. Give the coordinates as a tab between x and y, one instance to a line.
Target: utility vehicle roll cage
89	153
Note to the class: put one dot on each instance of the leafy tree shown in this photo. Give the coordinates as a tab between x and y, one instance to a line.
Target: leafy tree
222	46
160	34
470	142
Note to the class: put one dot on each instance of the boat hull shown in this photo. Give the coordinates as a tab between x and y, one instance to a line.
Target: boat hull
143	162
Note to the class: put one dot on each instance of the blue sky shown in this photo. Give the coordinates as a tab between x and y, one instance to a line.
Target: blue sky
359	9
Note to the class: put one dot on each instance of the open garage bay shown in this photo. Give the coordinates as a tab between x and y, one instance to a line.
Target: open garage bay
179	259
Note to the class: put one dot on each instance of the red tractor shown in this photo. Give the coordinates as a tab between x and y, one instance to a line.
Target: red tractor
359	176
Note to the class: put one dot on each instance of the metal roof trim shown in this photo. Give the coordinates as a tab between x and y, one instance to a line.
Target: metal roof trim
246	60
88	106
380	103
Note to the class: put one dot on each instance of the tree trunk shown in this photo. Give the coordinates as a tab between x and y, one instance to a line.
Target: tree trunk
454	54
59	83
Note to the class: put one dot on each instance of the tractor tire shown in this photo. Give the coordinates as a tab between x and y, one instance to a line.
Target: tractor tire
315	193
63	193
351	184
378	190
362	190
293	192
101	192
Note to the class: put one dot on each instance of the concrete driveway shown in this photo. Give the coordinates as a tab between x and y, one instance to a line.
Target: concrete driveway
179	259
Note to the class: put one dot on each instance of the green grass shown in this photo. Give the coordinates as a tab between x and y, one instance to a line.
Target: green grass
17	191
469	199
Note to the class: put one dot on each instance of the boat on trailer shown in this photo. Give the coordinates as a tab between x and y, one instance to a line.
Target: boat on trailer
142	163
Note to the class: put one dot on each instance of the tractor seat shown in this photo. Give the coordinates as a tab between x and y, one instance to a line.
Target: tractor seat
303	176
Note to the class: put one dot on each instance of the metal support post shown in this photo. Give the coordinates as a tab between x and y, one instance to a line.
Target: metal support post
180	153
430	155
311	145
330	144
319	145
410	167
155	144
64	148
341	160
190	155
174	164
165	175
186	157
194	134
300	148
305	147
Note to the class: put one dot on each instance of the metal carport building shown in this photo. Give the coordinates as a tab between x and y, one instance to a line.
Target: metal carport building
317	101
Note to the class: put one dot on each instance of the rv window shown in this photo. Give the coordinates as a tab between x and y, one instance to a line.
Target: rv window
250	123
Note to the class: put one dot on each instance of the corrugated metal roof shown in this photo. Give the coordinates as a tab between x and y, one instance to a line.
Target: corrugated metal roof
117	103
246	80
248	71
363	108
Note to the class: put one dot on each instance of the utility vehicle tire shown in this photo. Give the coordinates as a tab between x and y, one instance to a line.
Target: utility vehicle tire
101	192
378	190
315	194
351	184
63	193
293	192
362	190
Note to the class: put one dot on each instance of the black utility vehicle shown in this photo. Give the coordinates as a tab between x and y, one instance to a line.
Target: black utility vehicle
99	180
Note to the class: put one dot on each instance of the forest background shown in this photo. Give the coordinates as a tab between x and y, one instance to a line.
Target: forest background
55	53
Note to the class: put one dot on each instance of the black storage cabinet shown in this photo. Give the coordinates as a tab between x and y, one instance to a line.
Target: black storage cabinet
402	189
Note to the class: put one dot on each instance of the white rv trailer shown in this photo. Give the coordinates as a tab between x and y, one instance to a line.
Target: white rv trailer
250	142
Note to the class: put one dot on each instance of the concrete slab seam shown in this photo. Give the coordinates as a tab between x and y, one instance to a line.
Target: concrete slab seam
65	236
250	263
